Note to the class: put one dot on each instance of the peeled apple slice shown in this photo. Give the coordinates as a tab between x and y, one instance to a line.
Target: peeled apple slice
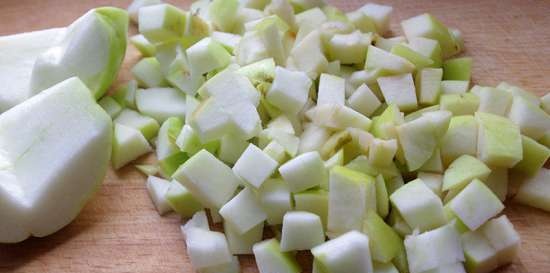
18	53
48	171
92	49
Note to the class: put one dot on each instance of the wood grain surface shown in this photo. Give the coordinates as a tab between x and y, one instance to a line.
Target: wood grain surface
119	230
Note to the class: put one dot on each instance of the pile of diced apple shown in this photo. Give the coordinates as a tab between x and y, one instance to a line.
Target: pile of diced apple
374	153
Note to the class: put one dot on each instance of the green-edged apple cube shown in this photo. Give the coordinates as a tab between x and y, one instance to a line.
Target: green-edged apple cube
463	170
458	69
419	206
307	55
417	141
331	90
125	95
188	141
434	164
301	231
459	104
161	103
460	139
146	125
364	101
475	204
231	148
420	61
454	87
254	166
386	61
348	253
535	191
380	16
243	212
289	91
351	195
492	100
223	14
270	258
337	117
516	91
148	74
499	141
244	119
428	84
383	126
199	220
143	45
207	248
275	199
399	90
313	16
128	145
535	156
503	238
498	182
208	179
209	121
433	249
434	181
207	55
168	132
387	44
228	40
159	23
111	106
313	138
230	87
384	242
532	120
314	201
427	47
480	256
241	244
381	152
304	171
169	164
181	200
349	48
276	151
427	26
335	143
361	21
147	169
290	142
133	8
157	188
440	120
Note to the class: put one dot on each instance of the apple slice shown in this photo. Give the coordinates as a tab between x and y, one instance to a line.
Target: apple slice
532	120
254	166
347	253
243	212
241	244
208	179
475	195
304	171
50	172
428	84
301	231
535	190
460	139
92	49
18	53
314	201
463	170
535	156
384	242
289	91
492	100
388	62
419	206
458	69
128	145
275	200
181	200
157	189
270	258
433	249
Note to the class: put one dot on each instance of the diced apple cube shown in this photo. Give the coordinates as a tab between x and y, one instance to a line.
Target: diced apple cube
499	141
337	117
349	48
417	141
146	125
458	69
301	231
532	120
384	242
208	179
535	191
427	26
254	166
148	74
304	171
454	87
381	152
241	244
243	212
111	106
460	104
460	139
475	204
492	100
428	83
157	188
128	145
275	199
463	170
427	47
535	156
160	23
270	258
314	201
390	63
347	253
379	14
399	90
289	91
161	103
207	248
308	55
364	101
331	90
207	55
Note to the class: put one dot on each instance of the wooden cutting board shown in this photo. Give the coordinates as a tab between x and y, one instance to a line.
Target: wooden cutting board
119	230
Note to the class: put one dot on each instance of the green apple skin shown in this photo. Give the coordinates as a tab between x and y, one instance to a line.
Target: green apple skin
384	243
427	26
270	258
499	142
460	104
92	49
460	139
463	170
535	191
535	156
50	172
458	69
18	53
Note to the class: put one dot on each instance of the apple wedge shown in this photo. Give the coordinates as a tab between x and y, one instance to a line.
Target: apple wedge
50	172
